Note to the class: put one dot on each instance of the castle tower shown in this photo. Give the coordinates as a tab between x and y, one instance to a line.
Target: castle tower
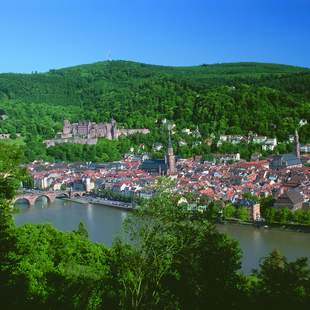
297	144
89	126
114	131
67	130
67	127
108	131
171	157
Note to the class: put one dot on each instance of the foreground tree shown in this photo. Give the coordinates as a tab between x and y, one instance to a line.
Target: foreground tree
170	258
282	284
182	261
10	178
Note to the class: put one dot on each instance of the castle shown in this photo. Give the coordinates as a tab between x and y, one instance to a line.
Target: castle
89	132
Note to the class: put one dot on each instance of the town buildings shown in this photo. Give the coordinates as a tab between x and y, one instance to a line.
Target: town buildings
291	199
285	161
166	166
282	176
217	181
5	136
288	160
267	144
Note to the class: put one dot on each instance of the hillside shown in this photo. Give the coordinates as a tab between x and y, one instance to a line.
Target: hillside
65	86
269	99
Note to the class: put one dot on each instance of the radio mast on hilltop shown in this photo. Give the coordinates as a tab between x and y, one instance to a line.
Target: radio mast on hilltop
109	56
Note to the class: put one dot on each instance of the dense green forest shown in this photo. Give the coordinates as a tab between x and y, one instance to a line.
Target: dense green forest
232	98
170	258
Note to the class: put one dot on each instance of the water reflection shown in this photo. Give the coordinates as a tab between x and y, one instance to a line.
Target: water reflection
89	212
21	205
259	242
41	202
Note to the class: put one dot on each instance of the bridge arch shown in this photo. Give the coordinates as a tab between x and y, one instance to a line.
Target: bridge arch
23	199
49	200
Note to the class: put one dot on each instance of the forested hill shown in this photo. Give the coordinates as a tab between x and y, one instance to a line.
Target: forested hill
72	85
269	99
79	84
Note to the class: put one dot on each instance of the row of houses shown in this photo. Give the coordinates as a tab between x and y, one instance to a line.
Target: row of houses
229	182
123	177
289	185
268	144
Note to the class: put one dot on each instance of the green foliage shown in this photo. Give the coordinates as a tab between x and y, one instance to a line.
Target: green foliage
10	178
283	215
10	173
282	284
104	150
229	211
242	213
213	212
224	98
185	262
47	256
110	195
82	231
270	215
174	259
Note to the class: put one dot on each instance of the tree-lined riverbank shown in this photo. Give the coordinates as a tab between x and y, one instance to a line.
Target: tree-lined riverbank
104	223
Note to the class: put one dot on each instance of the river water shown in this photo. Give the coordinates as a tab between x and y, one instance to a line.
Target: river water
104	224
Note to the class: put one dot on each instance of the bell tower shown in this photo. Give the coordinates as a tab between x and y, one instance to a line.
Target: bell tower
170	156
297	144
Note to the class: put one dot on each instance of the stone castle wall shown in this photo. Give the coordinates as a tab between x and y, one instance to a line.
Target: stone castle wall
89	132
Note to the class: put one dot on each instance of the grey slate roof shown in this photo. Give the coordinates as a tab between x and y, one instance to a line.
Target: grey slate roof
285	160
290	196
154	165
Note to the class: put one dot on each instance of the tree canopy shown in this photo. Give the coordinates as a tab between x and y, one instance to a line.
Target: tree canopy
170	258
235	98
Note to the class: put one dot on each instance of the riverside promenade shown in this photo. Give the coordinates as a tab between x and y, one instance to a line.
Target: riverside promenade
101	201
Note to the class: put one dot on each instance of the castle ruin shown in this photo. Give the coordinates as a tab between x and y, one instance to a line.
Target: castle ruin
89	132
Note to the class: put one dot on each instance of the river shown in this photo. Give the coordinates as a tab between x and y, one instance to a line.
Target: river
104	223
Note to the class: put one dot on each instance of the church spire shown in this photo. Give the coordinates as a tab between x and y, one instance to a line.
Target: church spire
170	155
297	144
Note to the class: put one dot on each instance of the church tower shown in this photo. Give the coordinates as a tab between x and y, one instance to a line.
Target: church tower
297	144
171	157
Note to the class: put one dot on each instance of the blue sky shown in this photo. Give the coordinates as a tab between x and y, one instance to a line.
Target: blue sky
45	34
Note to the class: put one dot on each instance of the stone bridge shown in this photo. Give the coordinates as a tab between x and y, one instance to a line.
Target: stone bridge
32	196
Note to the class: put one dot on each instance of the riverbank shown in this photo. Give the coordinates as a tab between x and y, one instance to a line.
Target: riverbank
77	200
274	226
105	224
101	201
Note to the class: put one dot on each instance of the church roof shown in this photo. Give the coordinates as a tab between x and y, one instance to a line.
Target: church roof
154	165
286	160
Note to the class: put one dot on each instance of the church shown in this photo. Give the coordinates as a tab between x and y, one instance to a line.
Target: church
291	160
166	166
